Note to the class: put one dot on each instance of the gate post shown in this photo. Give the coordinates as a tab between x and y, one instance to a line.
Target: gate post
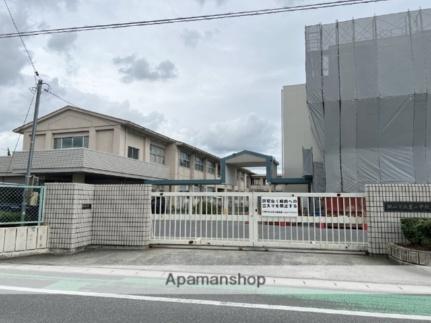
253	219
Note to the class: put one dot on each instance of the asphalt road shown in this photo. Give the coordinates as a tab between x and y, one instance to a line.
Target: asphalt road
58	308
47	294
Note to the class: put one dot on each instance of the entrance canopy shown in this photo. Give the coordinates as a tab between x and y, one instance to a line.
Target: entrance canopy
248	158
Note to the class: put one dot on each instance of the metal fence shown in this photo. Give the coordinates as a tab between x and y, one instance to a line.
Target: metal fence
320	221
21	205
196	216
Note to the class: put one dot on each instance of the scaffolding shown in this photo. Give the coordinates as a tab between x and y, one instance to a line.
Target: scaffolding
367	93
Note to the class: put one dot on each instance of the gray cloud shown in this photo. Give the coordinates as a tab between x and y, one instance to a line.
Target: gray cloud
62	43
249	132
12	62
12	56
14	110
138	69
291	3
152	120
191	37
71	5
217	2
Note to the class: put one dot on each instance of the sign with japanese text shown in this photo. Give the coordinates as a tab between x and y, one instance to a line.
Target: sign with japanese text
279	206
408	207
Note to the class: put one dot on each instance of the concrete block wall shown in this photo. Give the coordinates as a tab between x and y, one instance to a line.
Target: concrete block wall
70	225
80	215
385	227
15	241
121	215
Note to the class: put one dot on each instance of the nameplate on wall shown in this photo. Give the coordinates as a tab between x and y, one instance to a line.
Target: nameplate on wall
408	207
86	206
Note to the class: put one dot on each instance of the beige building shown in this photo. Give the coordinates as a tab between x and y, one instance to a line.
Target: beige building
77	145
297	135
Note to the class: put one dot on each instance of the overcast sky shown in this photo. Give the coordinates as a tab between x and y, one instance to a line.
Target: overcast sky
212	84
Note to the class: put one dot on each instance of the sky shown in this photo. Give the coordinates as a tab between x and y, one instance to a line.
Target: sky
212	84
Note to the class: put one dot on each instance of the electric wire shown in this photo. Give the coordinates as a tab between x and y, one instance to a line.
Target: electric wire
36	73
58	96
313	6
19	137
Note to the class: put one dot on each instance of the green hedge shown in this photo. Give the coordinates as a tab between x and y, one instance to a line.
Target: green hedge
417	230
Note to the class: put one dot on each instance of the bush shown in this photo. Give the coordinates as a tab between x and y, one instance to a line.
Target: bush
417	230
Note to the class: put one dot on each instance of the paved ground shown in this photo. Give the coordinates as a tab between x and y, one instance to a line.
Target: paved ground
130	286
292	264
83	309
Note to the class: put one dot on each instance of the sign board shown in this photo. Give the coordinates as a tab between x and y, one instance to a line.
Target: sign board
407	207
279	206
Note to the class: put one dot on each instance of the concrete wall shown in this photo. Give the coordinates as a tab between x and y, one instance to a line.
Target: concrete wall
136	140
109	136
121	215
70	225
68	122
80	215
22	241
296	130
84	160
385	227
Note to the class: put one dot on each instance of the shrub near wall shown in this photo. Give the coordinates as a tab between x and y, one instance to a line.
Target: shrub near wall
417	231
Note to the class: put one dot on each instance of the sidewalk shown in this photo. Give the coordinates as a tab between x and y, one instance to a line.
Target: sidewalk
290	268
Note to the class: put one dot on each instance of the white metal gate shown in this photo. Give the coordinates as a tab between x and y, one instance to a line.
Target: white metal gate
322	220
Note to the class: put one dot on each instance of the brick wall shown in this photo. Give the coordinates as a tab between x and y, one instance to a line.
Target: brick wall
79	215
385	227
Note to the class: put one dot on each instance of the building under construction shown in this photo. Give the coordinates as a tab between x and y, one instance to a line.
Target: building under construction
367	94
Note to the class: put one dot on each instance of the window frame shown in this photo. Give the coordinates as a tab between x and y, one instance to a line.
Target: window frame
211	167
184	162
61	139
131	152
157	158
201	165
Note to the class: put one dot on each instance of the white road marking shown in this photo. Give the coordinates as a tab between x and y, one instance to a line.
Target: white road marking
218	303
324	284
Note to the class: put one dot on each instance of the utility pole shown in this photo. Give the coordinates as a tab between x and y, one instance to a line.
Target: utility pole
31	151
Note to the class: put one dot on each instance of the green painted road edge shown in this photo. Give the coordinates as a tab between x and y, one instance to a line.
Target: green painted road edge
355	301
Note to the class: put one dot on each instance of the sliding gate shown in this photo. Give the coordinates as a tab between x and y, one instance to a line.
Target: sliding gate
278	220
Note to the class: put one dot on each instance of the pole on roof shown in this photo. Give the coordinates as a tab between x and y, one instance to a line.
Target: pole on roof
31	151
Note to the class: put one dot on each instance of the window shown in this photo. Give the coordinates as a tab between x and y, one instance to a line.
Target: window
211	167
133	152
157	154
183	188
199	164
71	142
184	159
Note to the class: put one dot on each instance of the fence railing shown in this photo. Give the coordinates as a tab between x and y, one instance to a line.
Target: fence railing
328	220
21	205
316	220
206	216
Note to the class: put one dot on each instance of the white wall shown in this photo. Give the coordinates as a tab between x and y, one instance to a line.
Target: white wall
296	130
22	241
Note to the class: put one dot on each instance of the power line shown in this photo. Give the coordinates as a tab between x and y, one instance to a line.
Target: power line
58	97
21	38
313	6
24	122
